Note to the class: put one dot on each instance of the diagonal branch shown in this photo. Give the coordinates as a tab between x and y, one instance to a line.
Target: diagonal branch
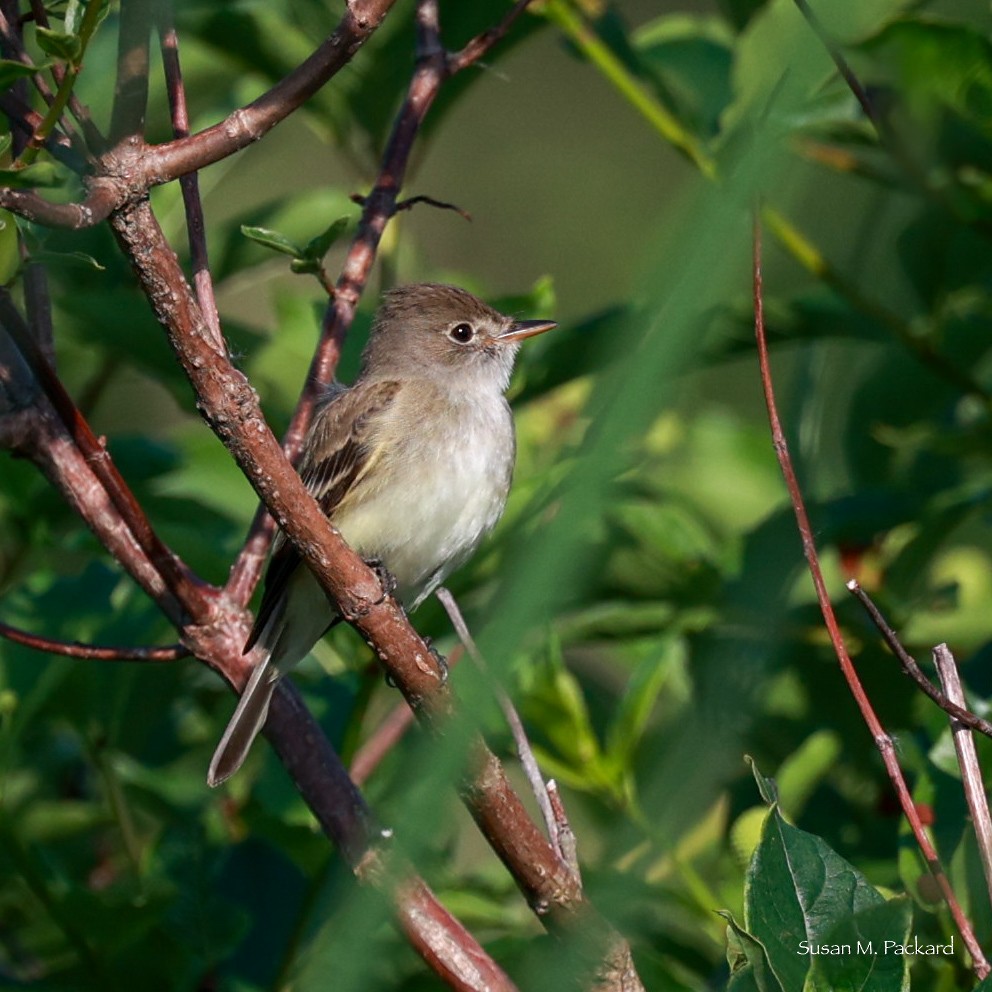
964	716
231	408
190	183
434	67
90	652
126	175
880	736
246	125
186	586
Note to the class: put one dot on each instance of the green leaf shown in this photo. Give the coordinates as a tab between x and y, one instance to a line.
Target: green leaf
79	259
934	62
800	773
58	44
766	786
73	16
10	257
304	266
640	696
38	174
801	898
690	58
268	238
11	71
747	959
317	247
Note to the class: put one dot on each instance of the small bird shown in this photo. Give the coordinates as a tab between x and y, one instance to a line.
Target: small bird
412	464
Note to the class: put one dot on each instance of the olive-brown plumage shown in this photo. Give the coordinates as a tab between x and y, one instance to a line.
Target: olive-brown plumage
412	464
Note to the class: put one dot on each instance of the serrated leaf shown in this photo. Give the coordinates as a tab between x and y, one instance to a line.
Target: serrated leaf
268	238
58	44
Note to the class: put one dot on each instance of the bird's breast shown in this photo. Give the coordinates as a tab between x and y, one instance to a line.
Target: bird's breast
438	486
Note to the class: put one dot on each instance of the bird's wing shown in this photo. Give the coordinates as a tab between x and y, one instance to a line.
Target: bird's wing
337	454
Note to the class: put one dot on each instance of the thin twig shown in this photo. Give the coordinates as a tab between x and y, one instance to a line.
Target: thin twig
412	201
524	751
434	66
843	67
249	123
386	736
348	821
94	139
881	738
53	116
127	115
912	669
91	652
567	846
971	772
190	183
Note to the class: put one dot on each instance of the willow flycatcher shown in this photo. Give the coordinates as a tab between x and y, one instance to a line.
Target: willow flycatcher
412	464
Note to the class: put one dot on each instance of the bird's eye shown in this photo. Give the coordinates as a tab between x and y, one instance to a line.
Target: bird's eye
462	333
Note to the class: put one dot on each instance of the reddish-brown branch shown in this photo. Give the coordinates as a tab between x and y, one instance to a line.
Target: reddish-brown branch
881	738
446	945
434	66
190	183
346	819
48	443
229	405
126	173
103	197
245	126
231	408
186	587
91	652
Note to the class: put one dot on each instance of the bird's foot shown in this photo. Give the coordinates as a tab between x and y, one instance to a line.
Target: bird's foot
441	661
385	577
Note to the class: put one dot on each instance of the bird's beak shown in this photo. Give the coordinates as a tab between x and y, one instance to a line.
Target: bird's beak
526	329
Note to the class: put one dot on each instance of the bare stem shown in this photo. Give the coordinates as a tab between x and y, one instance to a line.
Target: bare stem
909	666
881	738
971	772
524	751
190	183
91	652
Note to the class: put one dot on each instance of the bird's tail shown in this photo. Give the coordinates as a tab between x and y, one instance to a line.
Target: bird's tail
244	725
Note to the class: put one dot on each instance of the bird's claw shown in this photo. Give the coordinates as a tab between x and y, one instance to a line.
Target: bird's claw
440	660
386	578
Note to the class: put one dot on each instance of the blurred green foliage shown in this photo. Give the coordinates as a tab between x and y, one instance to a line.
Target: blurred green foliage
644	599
